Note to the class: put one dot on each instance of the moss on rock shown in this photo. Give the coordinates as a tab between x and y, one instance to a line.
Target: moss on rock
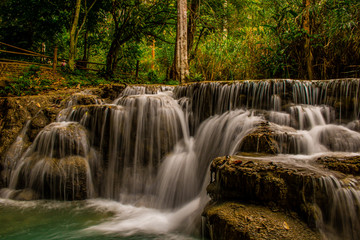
347	165
260	140
232	220
272	184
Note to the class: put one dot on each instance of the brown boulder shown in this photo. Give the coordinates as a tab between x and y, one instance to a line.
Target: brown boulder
236	221
347	165
260	140
51	178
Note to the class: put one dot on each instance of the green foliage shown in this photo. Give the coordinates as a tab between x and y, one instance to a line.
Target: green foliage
171	82
197	77
80	78
152	77
34	81
234	39
31	82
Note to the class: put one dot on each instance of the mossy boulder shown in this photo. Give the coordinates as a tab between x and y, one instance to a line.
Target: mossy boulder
347	165
61	139
111	91
354	125
37	123
51	178
24	195
83	98
260	140
237	221
259	180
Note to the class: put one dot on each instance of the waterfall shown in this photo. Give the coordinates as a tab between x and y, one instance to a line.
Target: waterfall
189	161
341	215
152	147
56	165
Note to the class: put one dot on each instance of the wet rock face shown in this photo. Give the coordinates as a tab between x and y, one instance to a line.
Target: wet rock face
347	165
234	221
354	125
24	195
23	118
319	198
51	178
260	140
83	98
61	139
37	123
111	91
42	110
15	112
56	164
13	118
265	182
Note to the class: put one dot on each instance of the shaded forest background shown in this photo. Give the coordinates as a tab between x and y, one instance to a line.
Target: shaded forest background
227	39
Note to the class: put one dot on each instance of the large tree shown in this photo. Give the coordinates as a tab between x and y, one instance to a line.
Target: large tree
307	45
181	55
192	24
21	26
75	28
134	20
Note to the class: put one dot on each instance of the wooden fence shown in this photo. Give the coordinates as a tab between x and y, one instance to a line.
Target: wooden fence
12	68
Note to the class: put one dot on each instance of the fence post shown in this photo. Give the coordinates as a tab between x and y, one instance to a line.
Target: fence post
55	60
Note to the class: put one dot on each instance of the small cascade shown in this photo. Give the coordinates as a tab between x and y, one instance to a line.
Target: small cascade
84	97
14	153
340	214
189	162
142	90
132	135
336	138
56	165
279	118
308	116
276	102
149	128
354	125
216	98
213	98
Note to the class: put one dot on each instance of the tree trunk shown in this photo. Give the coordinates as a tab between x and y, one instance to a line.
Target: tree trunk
182	65
73	38
153	55
112	56
225	27
86	49
137	70
193	16
307	45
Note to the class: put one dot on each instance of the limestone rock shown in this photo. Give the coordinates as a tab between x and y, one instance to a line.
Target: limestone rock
37	123
310	191
61	139
83	98
112	91
347	165
240	178
354	125
236	221
260	140
51	178
25	195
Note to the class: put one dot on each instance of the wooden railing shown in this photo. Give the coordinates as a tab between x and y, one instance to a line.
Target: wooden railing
13	68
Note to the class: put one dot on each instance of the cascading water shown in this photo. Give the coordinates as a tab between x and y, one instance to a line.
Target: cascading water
56	165
151	148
